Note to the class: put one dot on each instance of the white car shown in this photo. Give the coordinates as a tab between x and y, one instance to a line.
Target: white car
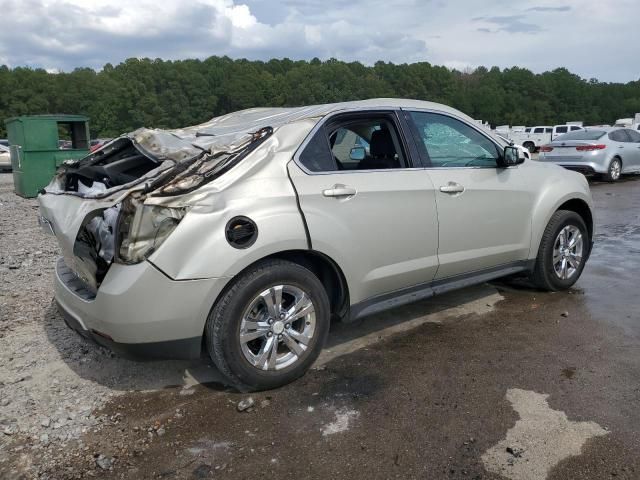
5	158
523	151
533	138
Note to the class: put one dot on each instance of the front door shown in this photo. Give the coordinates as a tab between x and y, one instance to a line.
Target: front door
365	206
484	212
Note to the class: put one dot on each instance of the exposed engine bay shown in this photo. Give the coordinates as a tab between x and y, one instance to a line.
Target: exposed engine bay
118	164
123	175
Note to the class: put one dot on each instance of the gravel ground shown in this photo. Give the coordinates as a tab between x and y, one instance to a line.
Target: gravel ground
51	379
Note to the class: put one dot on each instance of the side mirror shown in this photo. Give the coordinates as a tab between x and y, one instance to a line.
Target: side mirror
357	153
511	157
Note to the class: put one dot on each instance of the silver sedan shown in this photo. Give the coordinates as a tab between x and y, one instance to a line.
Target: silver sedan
609	152
5	158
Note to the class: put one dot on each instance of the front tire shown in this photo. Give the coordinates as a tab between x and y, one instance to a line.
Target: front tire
614	171
563	252
269	326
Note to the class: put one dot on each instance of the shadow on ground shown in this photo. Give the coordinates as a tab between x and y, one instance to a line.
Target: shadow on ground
93	362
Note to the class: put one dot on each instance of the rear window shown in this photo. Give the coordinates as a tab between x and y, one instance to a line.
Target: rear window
584	135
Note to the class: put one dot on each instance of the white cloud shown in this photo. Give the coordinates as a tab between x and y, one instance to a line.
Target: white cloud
240	16
582	35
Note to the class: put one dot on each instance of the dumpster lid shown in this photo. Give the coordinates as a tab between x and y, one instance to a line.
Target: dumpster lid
58	117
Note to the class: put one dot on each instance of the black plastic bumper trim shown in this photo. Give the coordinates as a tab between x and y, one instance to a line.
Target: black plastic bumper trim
182	349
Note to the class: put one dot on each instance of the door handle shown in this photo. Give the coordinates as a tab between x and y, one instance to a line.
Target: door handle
452	187
339	191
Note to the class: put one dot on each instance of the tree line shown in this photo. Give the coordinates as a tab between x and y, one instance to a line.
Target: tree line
170	94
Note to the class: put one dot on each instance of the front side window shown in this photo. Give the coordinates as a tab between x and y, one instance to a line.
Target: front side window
538	130
560	130
449	142
548	130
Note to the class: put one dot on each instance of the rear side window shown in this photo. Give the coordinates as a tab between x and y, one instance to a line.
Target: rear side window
317	156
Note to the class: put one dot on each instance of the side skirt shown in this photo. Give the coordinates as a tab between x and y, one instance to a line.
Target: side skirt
415	293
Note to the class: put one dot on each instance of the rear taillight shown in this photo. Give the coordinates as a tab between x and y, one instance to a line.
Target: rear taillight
546	148
590	148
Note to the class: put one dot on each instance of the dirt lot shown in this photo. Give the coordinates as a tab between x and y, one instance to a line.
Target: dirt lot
496	381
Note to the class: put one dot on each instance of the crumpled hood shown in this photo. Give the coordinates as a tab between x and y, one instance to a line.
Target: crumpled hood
219	134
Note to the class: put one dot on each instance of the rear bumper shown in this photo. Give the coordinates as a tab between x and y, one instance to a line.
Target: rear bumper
186	348
584	167
138	311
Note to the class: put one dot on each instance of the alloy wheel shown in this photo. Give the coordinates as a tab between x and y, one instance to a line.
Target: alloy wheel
277	327
615	170
568	252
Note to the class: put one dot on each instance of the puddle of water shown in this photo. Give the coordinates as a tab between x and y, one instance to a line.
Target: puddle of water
610	277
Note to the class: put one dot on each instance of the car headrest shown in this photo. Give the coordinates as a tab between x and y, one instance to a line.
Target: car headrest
381	144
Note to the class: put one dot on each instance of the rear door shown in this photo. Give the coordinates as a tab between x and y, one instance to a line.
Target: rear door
631	161
484	212
366	204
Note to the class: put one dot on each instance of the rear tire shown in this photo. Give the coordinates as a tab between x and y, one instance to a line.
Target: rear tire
614	171
258	304
556	266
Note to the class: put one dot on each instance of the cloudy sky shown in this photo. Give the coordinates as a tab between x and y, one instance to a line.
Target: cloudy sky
593	38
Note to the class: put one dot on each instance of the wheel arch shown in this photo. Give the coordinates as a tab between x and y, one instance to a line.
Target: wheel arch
328	272
581	208
324	267
617	155
578	202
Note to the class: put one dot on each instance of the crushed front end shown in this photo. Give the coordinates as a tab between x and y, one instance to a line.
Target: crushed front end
113	209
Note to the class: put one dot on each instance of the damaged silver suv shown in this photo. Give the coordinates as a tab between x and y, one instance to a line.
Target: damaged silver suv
244	236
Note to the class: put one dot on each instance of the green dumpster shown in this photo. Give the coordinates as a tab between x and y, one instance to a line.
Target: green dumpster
40	143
